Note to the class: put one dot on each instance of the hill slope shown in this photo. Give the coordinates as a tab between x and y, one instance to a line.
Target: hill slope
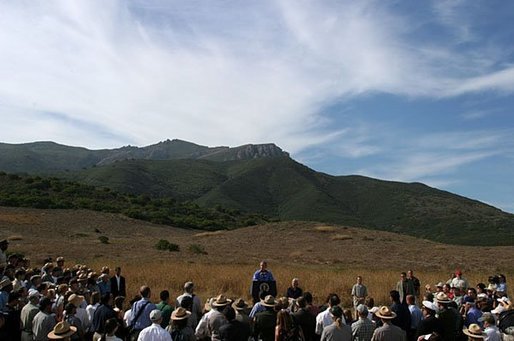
280	187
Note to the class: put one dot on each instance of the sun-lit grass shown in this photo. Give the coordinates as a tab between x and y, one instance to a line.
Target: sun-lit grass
325	228
208	234
234	279
341	237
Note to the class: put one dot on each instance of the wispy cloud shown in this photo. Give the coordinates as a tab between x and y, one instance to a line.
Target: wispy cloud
214	73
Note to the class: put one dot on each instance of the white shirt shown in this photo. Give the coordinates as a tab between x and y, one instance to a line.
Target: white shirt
154	333
492	334
90	309
324	319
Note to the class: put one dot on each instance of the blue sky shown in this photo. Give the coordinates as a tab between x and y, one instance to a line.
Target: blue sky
398	90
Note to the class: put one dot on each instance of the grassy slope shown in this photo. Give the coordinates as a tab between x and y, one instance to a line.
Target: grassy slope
283	188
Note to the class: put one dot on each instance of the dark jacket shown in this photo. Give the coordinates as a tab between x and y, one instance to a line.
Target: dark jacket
402	318
118	291
264	327
235	331
307	322
429	325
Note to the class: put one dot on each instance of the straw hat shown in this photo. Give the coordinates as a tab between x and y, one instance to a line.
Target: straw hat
239	304
475	331
76	299
491	287
441	297
61	330
221	301
180	314
429	305
385	313
5	282
269	301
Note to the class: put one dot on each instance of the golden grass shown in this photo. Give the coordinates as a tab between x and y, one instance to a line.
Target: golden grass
341	237
234	280
15	237
293	249
208	234
325	228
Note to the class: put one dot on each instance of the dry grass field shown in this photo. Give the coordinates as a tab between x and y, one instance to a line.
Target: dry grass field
325	258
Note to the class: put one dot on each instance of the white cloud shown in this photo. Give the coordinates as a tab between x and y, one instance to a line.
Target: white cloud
212	73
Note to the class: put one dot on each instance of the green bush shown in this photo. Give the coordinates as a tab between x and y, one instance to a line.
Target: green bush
103	239
164	245
197	249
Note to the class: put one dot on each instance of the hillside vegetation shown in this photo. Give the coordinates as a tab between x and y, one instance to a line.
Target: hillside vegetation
247	182
282	188
53	193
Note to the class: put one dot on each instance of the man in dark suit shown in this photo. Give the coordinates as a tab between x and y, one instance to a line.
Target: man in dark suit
118	284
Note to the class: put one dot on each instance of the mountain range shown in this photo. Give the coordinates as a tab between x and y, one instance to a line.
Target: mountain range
264	179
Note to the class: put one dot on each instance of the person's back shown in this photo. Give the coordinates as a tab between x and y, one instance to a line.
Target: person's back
449	318
234	331
362	329
389	332
337	333
42	324
264	327
403	317
307	323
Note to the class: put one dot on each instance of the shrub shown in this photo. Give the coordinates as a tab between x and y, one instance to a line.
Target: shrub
103	239
197	249
164	245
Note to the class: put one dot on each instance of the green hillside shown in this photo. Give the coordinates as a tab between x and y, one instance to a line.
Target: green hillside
282	188
54	193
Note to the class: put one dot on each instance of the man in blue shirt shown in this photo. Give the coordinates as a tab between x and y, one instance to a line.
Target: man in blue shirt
140	315
263	274
263	281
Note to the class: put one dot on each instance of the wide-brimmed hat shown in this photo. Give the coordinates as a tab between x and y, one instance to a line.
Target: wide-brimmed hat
239	304
5	282
487	317
221	301
491	287
441	297
440	285
504	300
475	331
373	310
430	305
180	314
269	301
385	313
61	331
4	241
76	299
60	259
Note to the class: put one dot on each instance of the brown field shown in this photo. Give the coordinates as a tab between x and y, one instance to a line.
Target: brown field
326	258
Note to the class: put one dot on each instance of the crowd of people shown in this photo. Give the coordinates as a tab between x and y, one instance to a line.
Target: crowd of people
56	301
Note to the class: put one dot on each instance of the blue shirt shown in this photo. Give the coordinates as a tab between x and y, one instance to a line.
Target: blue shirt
257	308
4	297
104	287
472	316
143	320
264	276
